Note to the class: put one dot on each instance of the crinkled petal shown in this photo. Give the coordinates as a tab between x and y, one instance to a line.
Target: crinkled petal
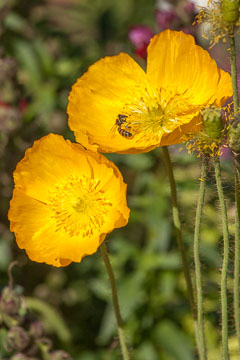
180	67
51	158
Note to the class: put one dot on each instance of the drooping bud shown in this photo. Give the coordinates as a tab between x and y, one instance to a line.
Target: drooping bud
60	355
234	135
230	10
17	339
212	122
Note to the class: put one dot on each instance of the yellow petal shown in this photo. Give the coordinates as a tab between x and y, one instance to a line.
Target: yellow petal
180	67
51	158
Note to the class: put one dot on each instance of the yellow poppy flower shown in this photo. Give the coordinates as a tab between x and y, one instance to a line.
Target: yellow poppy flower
65	201
117	107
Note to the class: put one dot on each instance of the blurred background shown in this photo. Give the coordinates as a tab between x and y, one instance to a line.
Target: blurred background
45	45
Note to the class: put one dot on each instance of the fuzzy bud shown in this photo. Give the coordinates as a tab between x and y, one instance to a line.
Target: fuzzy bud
10	302
212	122
234	135
230	10
17	339
60	355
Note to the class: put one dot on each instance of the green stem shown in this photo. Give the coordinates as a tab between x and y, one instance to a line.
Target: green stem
118	316
237	255
237	199
177	226
234	72
198	276
224	304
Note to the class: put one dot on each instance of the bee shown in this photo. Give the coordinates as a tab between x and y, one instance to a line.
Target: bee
121	119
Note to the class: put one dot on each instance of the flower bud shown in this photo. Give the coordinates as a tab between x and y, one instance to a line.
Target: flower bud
60	355
212	122
10	302
234	135
230	10
17	339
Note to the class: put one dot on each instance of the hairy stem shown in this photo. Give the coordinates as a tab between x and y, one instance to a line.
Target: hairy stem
237	199
234	72
118	316
224	304
237	255
198	276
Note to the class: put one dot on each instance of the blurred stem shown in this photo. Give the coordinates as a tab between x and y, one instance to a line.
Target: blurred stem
198	276
224	305
44	351
237	254
118	316
177	226
237	199
234	72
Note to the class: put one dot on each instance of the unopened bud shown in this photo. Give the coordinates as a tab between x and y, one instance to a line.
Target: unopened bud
230	10
17	339
212	122
10	302
234	135
60	355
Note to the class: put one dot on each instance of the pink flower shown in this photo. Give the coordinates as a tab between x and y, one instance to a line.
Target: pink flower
140	36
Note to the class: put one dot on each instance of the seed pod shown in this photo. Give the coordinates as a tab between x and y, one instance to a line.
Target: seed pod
212	122
230	10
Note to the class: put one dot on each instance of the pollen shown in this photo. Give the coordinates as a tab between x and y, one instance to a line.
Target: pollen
150	116
79	206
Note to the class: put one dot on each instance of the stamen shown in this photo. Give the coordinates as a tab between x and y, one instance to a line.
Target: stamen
148	117
79	206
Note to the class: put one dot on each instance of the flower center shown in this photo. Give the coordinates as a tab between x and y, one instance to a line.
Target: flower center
148	117
79	206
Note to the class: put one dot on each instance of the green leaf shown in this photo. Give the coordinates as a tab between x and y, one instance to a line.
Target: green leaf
172	339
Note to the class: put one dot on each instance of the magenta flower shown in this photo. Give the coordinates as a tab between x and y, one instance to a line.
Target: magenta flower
140	36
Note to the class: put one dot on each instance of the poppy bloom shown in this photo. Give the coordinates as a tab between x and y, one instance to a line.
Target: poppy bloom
65	201
117	107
